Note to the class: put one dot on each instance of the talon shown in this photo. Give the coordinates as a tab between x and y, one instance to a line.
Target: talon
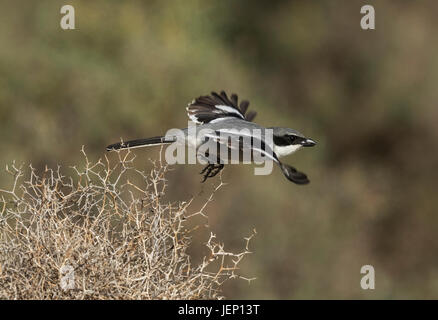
211	170
216	168
208	168
203	170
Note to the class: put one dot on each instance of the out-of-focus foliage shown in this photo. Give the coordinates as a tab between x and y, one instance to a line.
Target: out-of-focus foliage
367	97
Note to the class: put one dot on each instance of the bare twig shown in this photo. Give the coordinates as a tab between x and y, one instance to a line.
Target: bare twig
104	233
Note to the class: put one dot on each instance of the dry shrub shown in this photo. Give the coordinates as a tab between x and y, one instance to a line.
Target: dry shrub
98	235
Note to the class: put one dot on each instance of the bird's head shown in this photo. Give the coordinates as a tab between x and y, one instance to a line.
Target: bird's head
289	137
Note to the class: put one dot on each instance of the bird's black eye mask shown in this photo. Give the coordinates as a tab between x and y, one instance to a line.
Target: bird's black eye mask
287	140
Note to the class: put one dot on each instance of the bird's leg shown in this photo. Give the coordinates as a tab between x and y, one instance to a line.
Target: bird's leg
205	169
212	169
208	168
216	169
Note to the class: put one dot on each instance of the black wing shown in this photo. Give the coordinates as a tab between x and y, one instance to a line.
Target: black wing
260	148
216	107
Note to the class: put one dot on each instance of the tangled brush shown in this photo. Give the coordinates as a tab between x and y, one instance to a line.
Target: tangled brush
104	232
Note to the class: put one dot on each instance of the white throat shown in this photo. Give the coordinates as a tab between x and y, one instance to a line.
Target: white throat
282	151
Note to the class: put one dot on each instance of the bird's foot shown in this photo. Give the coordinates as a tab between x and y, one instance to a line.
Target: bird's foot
211	170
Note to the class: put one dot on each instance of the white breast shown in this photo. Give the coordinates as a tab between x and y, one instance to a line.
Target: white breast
282	151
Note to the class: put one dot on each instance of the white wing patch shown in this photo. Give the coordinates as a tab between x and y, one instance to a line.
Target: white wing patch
228	109
220	119
245	145
192	116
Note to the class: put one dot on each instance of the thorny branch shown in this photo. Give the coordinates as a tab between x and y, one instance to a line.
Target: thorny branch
110	224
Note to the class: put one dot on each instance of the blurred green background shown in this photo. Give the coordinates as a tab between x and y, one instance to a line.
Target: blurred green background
368	97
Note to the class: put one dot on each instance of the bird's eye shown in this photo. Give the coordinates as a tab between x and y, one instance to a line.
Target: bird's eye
292	138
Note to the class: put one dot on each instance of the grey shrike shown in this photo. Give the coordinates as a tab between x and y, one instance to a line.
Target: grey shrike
219	116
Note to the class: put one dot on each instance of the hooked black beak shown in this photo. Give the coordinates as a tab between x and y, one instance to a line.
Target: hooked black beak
308	143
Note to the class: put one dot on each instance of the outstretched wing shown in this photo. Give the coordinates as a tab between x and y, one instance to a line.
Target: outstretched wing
258	148
217	107
254	146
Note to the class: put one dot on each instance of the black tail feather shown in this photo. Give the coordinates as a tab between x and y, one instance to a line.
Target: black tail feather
140	143
293	174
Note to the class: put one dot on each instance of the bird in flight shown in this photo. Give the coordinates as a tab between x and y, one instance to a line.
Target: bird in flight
223	121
